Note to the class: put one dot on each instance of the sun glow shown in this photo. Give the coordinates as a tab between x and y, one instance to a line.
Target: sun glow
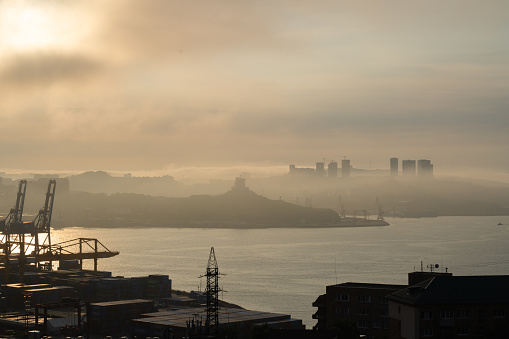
34	26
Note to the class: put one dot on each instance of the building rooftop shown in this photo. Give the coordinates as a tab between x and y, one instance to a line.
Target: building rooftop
456	290
178	317
369	285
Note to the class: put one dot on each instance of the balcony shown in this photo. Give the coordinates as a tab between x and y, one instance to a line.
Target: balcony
320	301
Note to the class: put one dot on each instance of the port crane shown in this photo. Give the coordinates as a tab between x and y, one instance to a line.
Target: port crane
380	215
342	212
29	242
16	213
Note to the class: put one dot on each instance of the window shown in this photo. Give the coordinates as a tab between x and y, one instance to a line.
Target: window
362	324
427	332
384	312
342	297
499	313
462	330
446	314
342	310
463	314
376	324
383	300
426	315
480	316
363	311
386	325
364	298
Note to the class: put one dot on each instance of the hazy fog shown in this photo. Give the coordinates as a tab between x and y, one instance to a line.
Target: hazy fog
161	85
99	199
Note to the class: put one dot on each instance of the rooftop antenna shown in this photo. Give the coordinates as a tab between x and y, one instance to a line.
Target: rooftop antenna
433	267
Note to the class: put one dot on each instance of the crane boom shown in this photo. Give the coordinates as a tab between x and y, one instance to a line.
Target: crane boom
42	221
16	213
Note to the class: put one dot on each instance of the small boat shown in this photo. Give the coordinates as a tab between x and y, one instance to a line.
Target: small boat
499	224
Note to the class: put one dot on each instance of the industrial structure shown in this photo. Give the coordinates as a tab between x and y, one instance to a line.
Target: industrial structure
212	293
26	245
35	290
73	301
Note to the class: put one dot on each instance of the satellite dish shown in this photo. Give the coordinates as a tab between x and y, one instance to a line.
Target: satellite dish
437	265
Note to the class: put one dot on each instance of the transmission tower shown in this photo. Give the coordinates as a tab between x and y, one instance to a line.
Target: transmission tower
212	293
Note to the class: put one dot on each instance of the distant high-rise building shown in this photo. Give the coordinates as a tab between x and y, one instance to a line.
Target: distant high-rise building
332	169
424	168
394	167
345	168
320	169
408	168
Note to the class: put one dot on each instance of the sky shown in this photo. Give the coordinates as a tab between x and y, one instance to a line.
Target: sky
127	85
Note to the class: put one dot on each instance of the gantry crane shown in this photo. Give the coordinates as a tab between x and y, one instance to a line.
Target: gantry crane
342	212
23	237
380	212
31	240
15	215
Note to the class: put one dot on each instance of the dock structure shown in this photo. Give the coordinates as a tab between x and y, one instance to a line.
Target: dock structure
24	243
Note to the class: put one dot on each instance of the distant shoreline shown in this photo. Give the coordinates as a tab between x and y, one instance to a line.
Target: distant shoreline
204	225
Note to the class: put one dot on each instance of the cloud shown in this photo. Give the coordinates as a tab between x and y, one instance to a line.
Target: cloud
44	69
157	82
169	29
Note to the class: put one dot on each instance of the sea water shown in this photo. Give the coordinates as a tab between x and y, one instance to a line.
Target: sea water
284	270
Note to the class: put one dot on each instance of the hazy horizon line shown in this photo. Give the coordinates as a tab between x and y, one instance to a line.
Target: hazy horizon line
206	173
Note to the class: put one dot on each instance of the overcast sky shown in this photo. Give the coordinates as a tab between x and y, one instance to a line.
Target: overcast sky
149	85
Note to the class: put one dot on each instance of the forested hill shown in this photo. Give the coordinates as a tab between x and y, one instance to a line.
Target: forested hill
242	208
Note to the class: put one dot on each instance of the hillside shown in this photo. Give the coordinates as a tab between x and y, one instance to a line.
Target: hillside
235	208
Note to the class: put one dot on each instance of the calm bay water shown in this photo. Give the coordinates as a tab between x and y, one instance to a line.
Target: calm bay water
285	270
